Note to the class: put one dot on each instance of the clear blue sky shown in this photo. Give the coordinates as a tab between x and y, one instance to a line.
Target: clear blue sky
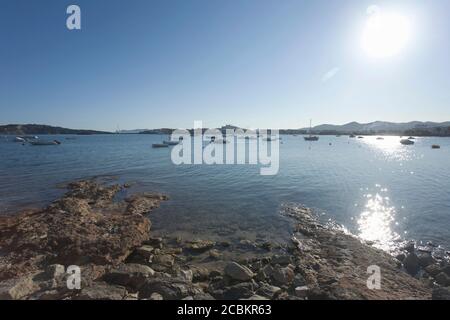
253	63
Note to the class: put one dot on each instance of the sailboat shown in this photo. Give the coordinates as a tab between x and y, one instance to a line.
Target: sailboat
311	137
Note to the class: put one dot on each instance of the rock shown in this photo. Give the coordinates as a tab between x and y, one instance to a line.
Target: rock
203	296
425	259
55	271
256	297
102	291
129	275
409	247
411	264
283	276
199	246
200	273
400	257
433	269
267	290
162	262
145	251
238	272
281	260
214	253
238	291
156	296
443	279
186	275
441	294
299	280
155	242
14	289
143	203
168	288
302	292
446	270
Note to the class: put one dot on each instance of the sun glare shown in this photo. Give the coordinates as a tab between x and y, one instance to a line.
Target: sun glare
385	33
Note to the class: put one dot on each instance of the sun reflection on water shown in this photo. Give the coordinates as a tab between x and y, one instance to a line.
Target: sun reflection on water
376	222
390	147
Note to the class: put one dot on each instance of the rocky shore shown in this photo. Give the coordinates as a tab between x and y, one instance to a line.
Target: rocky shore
109	239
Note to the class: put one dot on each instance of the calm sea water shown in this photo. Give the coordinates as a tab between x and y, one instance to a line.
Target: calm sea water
378	189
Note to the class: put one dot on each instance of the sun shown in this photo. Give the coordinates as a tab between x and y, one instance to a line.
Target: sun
385	34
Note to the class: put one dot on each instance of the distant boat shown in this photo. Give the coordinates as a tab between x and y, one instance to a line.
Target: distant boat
435	146
380	138
406	142
411	138
360	137
171	143
352	136
45	143
311	137
159	145
19	139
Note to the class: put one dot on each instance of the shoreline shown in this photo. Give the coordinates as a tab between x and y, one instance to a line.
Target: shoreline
111	241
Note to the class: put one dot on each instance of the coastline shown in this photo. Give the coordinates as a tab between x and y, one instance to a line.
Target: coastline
111	241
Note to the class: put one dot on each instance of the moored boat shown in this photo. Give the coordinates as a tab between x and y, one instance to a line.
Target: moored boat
435	146
159	145
45	143
171	143
406	142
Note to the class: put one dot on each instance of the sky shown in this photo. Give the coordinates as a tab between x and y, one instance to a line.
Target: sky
252	63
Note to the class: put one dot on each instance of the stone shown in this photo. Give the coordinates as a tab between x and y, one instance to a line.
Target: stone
14	289
238	291
214	253
187	275
256	297
156	296
102	291
409	247
162	262
199	246
129	275
302	292
281	260
203	296
441	294
446	270
283	276
433	269
299	280
168	288
238	272
145	251
425	259
267	290
411	264
443	279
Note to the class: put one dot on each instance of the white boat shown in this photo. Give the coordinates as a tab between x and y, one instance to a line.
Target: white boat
406	142
311	137
19	139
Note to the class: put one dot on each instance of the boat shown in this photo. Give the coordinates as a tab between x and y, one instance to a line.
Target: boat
45	143
171	143
360	137
352	136
380	138
406	142
159	145
435	146
411	138
311	137
19	139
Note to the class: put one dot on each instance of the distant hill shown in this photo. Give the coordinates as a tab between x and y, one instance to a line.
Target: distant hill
382	127
34	129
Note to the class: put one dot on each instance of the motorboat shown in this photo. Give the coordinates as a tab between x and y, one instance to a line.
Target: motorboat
435	146
406	142
171	143
159	145
44	143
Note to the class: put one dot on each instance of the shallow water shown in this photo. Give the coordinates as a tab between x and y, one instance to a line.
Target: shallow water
378	189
